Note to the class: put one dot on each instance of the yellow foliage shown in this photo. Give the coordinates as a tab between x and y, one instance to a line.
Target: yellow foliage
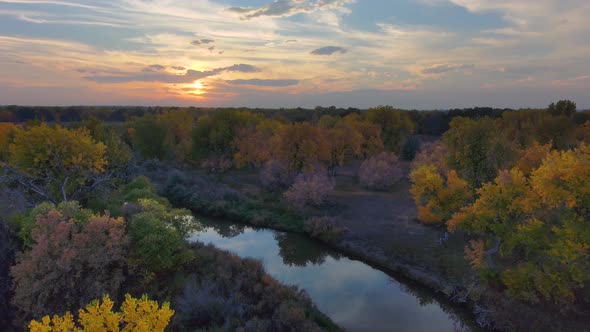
563	179
474	252
44	148
6	130
137	315
437	197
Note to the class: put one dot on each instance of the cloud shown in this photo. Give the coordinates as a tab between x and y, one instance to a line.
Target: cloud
198	42
152	68
444	68
288	8
265	82
166	77
329	50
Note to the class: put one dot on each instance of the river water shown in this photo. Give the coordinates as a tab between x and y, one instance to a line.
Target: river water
353	294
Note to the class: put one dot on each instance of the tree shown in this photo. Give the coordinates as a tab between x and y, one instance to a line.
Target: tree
531	158
309	189
395	125
214	133
343	141
157	235
563	107
477	149
6	131
539	226
179	125
380	172
438	197
70	263
135	315
253	144
149	136
435	154
370	133
117	153
57	163
301	146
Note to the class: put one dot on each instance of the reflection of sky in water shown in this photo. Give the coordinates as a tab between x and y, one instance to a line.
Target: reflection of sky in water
353	294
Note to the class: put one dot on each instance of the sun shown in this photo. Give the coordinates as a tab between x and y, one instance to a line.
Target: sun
197	85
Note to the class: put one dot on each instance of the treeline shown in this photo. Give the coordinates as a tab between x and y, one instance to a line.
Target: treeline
427	122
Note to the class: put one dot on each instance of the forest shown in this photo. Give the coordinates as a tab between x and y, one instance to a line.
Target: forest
98	204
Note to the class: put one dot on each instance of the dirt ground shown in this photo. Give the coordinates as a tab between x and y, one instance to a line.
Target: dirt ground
385	223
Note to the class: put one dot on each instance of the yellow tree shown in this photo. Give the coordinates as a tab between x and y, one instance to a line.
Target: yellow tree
135	315
6	131
56	163
436	196
539	225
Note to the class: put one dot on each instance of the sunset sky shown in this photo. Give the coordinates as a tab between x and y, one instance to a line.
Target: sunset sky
425	54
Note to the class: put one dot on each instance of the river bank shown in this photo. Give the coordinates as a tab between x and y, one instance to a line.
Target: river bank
380	229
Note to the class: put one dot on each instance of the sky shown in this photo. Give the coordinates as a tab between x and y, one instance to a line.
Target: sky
415	54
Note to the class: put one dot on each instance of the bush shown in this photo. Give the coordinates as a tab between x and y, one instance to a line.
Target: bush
309	189
380	172
229	293
158	237
69	264
217	164
275	175
324	228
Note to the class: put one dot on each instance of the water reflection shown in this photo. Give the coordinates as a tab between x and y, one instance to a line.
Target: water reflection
353	294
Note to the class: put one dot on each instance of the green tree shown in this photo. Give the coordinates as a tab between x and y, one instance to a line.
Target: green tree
562	107
478	149
395	125
149	135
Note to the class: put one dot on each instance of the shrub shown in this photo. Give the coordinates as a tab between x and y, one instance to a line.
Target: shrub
229	293
380	172
157	237
309	189
217	164
324	228
276	175
70	263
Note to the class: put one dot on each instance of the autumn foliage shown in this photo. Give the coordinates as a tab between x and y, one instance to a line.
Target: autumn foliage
438	196
309	189
540	223
135	315
70	263
380	172
54	162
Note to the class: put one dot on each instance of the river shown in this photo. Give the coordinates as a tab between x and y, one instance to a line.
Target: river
353	294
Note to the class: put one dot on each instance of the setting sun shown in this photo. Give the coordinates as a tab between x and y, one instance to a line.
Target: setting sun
197	85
